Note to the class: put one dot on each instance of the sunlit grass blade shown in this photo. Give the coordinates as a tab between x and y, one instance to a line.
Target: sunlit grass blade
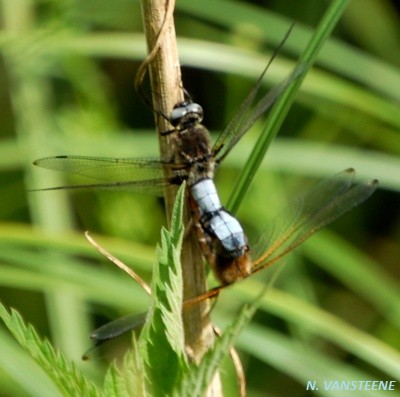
322	324
282	106
358	271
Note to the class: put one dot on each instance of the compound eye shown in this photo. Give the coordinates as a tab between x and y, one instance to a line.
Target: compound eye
177	114
188	110
195	108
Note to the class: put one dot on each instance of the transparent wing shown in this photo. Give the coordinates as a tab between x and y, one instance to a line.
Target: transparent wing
113	330
140	174
103	168
322	204
118	327
234	130
246	115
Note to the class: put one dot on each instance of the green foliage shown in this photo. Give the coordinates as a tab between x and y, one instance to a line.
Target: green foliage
67	75
130	380
283	104
162	339
196	383
64	374
158	360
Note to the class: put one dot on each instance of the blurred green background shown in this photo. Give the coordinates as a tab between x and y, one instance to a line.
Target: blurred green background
66	87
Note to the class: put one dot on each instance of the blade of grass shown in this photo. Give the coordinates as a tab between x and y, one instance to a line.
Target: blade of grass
32	378
284	155
31	272
32	107
281	108
300	361
268	27
72	243
326	326
357	271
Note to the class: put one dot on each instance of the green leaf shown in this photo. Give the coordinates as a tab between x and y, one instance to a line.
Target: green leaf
162	339
356	270
130	380
199	378
324	325
64	374
282	106
302	361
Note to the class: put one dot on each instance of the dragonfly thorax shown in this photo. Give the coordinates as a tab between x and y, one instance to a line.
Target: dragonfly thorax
192	150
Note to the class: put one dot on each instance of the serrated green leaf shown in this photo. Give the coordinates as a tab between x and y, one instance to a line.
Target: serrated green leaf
200	377
111	381
130	381
176	217
162	338
66	376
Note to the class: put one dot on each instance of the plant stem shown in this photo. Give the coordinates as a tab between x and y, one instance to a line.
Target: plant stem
166	88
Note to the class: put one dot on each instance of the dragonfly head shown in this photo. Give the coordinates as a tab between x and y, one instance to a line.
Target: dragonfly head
186	114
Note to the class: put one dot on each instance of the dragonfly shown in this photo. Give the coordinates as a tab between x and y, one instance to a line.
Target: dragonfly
320	205
195	160
220	234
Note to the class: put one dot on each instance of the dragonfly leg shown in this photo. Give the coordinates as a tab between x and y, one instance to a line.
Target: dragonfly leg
169	132
188	229
205	245
211	293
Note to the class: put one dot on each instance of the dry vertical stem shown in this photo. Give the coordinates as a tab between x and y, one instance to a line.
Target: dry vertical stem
166	88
